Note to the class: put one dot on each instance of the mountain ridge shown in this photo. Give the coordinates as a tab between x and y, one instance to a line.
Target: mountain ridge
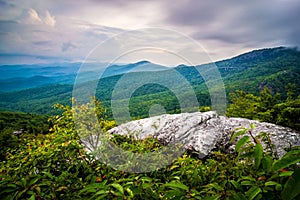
19	77
274	68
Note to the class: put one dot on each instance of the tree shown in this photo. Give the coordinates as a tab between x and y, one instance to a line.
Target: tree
289	113
266	107
266	103
243	105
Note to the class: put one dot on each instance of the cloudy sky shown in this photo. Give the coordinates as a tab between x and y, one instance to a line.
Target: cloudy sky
35	31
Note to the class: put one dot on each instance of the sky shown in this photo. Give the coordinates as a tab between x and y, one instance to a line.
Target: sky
52	31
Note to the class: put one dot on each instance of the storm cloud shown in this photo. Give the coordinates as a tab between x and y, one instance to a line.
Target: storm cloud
249	23
69	30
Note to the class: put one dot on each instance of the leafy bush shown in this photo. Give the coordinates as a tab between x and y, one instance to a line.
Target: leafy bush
7	141
56	166
266	107
23	122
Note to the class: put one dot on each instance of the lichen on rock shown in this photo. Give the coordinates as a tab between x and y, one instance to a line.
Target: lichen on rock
204	132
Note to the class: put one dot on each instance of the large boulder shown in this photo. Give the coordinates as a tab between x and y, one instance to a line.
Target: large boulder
204	132
281	137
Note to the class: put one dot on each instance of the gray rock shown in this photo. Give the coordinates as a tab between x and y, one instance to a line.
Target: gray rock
203	132
281	137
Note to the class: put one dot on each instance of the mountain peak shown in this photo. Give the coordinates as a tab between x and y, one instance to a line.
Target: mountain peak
143	62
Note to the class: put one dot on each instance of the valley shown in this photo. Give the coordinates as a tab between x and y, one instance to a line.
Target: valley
274	68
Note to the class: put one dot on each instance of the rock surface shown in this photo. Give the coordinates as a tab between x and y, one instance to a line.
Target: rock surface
203	132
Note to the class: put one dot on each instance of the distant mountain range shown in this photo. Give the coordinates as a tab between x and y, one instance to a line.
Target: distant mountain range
20	77
36	88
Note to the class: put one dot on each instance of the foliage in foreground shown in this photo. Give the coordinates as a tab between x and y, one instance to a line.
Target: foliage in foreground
56	166
16	121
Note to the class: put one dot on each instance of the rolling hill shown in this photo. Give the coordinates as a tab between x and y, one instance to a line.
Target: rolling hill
274	68
20	77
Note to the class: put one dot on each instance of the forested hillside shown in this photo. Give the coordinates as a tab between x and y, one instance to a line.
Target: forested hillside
273	68
149	100
46	159
57	166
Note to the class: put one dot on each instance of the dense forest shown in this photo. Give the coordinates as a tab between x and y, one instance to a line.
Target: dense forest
267	107
42	156
55	165
274	68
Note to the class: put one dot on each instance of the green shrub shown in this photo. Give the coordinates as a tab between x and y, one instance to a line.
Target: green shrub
56	166
266	107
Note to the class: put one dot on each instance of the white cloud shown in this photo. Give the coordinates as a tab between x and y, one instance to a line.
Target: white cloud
32	17
49	19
